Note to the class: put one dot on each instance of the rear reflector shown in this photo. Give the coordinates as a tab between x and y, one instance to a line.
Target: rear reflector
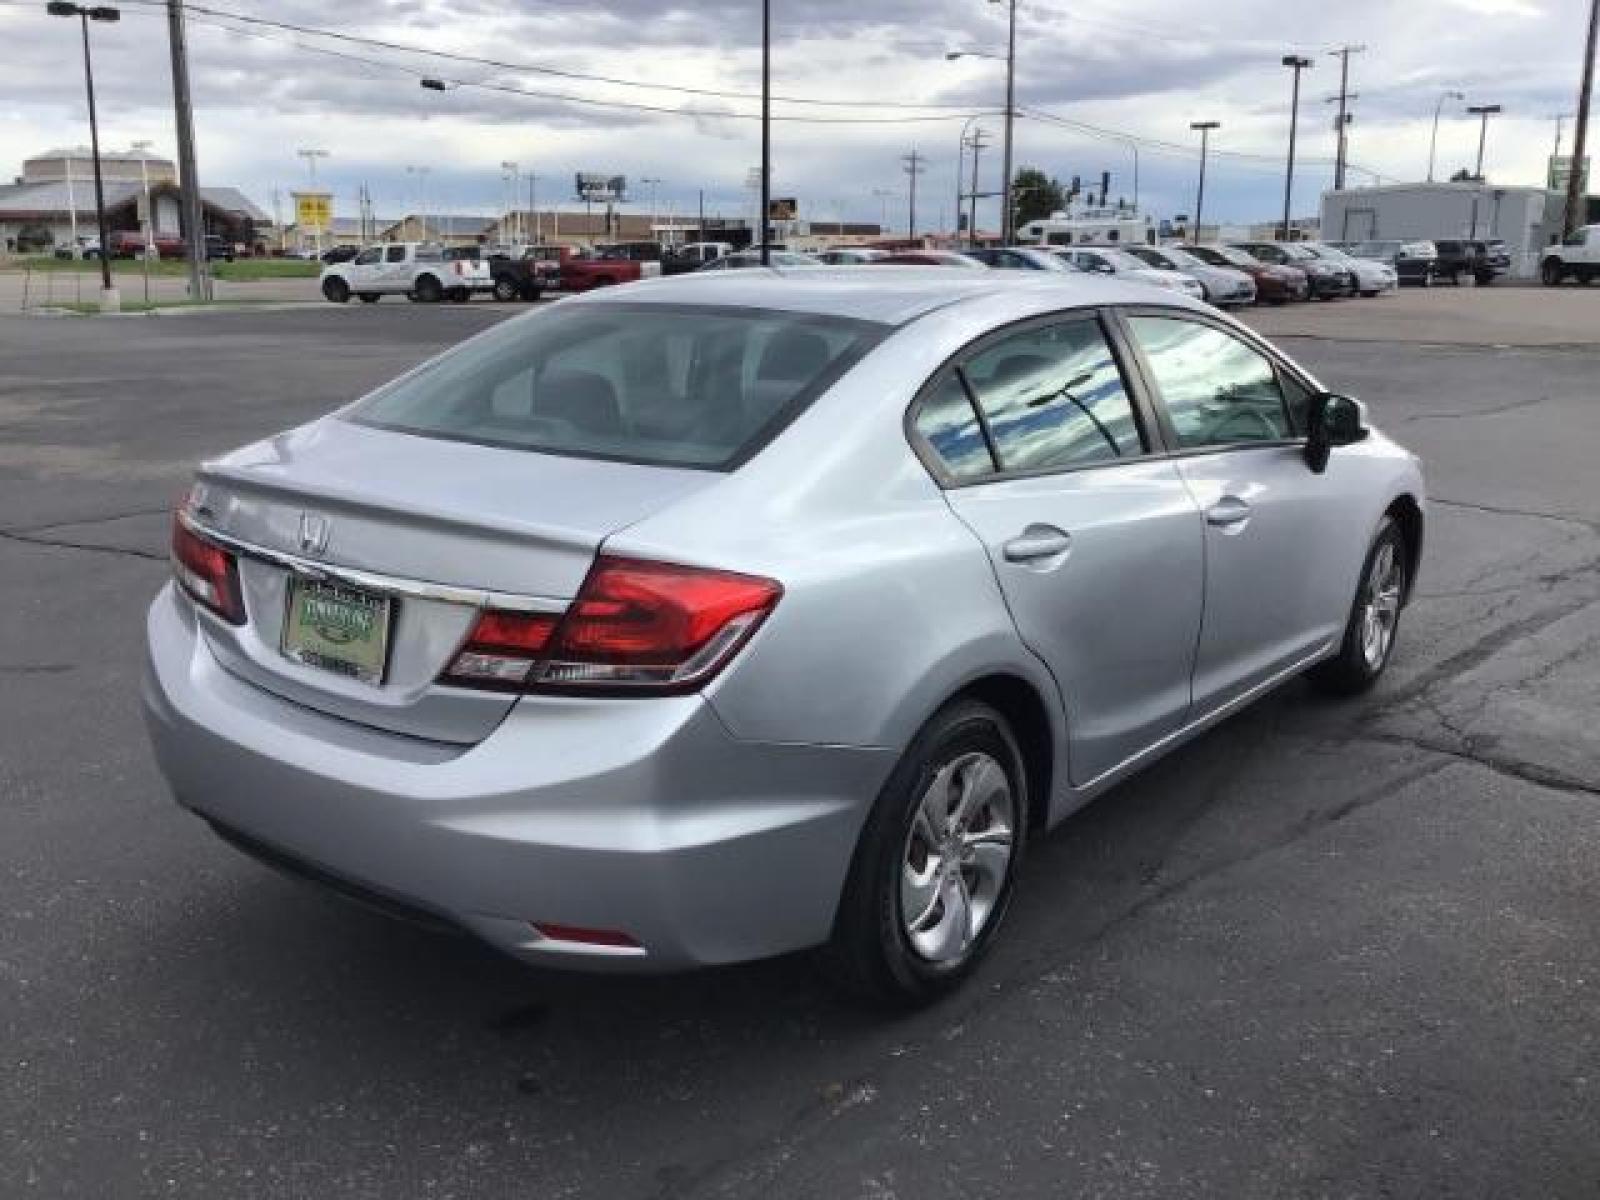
586	937
207	572
635	626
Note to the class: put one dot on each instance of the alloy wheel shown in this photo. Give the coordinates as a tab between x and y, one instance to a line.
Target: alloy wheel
957	857
1380	605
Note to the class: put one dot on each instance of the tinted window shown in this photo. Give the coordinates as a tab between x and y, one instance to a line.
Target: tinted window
1053	397
947	422
1217	390
367	257
394	254
689	386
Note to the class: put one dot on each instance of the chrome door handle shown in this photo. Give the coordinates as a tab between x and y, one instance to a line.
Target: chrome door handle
1036	542
1230	510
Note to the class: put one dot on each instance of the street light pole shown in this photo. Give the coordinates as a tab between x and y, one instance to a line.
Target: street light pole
514	179
1008	217
1205	128
109	299
1483	112
1433	142
766	129
148	229
1297	64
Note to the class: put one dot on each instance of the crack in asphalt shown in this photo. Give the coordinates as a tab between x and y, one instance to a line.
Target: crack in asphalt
1496	411
64	544
105	520
1504	511
1471	751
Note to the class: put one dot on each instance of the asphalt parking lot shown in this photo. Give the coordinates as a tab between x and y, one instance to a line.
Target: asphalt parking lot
1329	950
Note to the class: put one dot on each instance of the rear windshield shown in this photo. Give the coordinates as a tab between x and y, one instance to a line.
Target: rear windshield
696	386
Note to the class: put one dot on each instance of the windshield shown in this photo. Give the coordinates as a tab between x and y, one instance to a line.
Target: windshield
1377	249
1121	259
692	386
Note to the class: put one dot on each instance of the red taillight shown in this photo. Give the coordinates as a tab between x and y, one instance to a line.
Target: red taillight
207	572
501	650
635	626
577	934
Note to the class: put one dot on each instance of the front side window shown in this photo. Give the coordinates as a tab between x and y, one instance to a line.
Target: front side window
366	258
689	386
1053	398
1217	390
394	254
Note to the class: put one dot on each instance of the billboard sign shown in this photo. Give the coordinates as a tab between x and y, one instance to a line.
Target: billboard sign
783	208
592	186
313	211
1561	173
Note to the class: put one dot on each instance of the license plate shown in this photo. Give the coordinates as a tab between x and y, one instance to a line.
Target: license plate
337	628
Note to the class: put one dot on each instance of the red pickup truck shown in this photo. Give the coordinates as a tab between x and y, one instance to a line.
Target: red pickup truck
129	243
603	267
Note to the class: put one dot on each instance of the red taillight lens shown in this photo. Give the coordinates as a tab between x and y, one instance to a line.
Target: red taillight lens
501	650
635	626
207	572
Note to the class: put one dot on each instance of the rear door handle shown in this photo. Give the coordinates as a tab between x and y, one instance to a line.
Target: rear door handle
1230	510
1037	542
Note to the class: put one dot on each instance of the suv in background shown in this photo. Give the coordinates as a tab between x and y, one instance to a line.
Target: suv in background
1413	261
1458	258
1578	257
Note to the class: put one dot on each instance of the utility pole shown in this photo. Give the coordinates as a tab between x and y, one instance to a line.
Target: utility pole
188	172
912	167
766	128
1343	54
1297	64
1580	129
109	300
1205	128
972	197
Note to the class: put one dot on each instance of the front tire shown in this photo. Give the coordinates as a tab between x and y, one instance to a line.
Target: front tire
1550	271
1374	620
506	289
936	865
429	290
336	290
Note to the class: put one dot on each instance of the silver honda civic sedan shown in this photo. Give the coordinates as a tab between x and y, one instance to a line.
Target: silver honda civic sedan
723	616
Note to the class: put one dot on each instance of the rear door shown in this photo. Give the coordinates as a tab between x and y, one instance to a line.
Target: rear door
1274	546
1096	543
395	273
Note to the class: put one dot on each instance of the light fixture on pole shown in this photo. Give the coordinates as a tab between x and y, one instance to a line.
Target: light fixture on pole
1433	142
884	195
422	197
1483	112
1007	215
1205	128
654	213
1296	63
109	300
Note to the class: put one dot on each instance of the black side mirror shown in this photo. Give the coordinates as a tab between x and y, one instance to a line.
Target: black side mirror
1333	420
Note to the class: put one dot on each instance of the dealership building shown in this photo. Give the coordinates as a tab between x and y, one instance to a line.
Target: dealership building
52	202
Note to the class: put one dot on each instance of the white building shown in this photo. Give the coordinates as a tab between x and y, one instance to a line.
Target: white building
1526	218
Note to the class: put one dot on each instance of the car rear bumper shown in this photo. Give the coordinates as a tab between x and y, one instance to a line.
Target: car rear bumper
639	816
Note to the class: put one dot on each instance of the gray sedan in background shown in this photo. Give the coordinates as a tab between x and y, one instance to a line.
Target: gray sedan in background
1224	286
716	618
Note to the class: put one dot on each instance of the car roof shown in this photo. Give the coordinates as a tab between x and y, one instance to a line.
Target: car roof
864	293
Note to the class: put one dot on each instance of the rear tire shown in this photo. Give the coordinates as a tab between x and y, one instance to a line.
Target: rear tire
506	289
945	837
336	290
1374	621
429	290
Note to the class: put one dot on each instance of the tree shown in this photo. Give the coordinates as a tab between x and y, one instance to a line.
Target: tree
1034	195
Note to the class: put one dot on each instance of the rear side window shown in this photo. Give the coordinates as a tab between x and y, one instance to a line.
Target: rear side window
692	386
1053	398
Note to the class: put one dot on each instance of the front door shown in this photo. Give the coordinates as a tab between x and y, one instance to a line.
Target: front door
365	269
1235	423
1096	544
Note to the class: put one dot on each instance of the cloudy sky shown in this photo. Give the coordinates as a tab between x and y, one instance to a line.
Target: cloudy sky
864	82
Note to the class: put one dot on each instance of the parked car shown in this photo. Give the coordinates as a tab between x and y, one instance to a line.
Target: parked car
1372	278
1413	261
1275	283
928	258
603	267
1328	280
218	247
1112	260
1577	257
418	270
850	256
1018	258
644	636
752	258
1494	260
518	272
691	256
1458	259
1222	286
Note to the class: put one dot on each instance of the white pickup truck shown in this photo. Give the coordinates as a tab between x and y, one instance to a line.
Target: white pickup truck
1578	257
419	271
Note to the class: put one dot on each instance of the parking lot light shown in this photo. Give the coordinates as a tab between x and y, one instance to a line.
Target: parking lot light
100	12
1433	142
1205	128
1296	63
1483	112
